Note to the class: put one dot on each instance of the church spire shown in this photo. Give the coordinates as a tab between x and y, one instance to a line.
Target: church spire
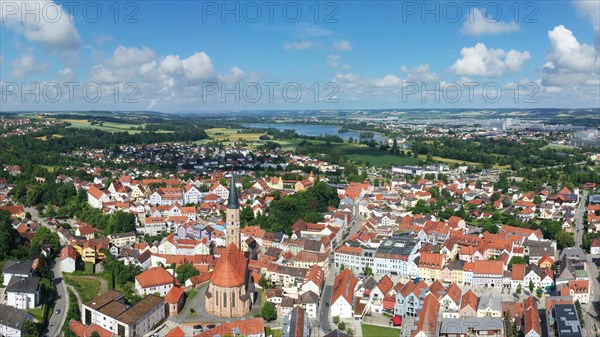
232	201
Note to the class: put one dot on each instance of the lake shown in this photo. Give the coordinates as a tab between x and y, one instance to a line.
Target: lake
316	130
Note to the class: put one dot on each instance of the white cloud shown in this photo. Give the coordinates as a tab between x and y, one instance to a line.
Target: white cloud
333	60
420	73
479	60
567	52
66	75
131	56
478	24
100	39
41	21
570	64
342	45
172	78
26	65
300	45
590	8
305	30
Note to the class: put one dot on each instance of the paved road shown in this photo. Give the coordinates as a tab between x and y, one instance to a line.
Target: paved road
579	218
56	321
325	325
592	309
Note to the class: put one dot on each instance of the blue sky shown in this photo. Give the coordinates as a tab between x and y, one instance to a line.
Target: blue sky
181	55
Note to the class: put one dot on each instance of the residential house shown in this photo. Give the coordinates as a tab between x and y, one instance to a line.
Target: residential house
12	321
68	259
155	280
23	292
342	299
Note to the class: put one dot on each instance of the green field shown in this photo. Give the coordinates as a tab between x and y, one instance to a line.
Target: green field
375	157
459	162
379	331
88	287
106	126
223	134
557	147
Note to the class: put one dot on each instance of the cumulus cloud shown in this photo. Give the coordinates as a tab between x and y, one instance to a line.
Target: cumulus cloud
477	24
591	9
130	56
170	78
45	22
420	73
570	64
300	45
26	64
342	45
479	60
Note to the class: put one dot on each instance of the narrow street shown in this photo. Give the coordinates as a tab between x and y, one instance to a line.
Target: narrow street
56	321
579	218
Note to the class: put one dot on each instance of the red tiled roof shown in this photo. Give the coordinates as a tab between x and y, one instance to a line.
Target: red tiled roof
155	276
174	295
231	268
345	283
68	252
175	332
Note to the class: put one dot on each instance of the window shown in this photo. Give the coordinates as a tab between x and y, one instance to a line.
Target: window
224	300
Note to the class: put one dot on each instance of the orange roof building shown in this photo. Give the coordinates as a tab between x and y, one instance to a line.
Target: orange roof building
154	280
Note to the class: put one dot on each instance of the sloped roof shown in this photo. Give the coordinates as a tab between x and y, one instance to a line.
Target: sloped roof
231	268
155	276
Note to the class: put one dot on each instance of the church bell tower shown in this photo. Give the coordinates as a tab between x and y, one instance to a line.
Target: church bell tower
232	226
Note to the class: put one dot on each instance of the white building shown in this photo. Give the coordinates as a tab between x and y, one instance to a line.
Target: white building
12	321
23	292
97	196
68	259
121	319
16	268
343	294
155	280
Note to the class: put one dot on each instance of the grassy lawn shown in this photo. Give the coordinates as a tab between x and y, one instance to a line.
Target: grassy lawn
557	147
379	331
231	135
374	156
106	126
37	313
88	287
460	162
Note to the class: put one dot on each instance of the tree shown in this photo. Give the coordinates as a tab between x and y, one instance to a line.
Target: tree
539	292
121	222
579	313
336	319
264	282
531	286
30	329
511	329
95	334
564	239
185	271
268	312
519	289
246	215
537	200
342	267
342	325
368	271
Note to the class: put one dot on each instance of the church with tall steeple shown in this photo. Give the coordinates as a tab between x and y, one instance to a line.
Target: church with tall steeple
230	291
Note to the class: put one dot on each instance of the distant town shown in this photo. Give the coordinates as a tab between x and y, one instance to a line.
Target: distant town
336	225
